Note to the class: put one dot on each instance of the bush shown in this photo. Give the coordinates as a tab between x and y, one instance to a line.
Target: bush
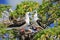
50	34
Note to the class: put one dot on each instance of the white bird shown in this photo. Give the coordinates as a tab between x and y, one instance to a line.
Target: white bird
10	10
27	18
35	16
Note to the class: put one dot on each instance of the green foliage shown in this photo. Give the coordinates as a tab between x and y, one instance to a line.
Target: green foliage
48	12
44	34
14	15
2	28
46	8
59	22
53	12
26	6
3	8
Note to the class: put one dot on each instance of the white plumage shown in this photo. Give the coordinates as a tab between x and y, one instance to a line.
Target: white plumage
35	16
27	18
